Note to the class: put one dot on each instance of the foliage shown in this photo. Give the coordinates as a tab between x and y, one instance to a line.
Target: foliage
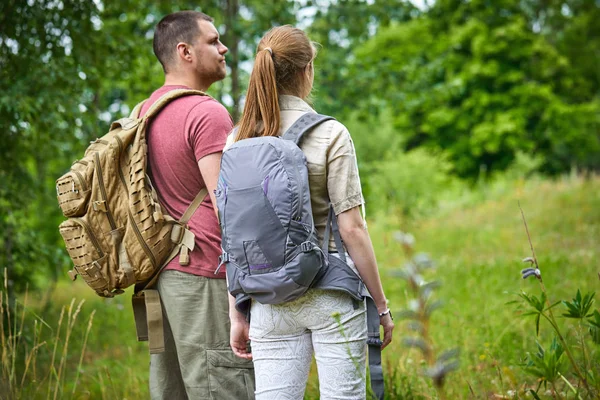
339	27
473	246
419	315
478	83
67	69
548	365
409	184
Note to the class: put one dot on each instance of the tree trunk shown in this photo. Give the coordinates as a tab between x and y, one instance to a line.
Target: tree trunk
232	37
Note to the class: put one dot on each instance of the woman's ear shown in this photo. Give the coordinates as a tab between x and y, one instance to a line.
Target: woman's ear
308	67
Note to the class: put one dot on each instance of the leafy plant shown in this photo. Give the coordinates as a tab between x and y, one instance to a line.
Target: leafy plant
421	307
547	365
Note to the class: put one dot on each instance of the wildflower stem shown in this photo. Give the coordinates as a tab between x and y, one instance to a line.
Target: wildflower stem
529	237
583	346
555	392
569	385
550	313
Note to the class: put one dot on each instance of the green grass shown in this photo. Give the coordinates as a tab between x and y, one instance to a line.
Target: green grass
477	240
479	248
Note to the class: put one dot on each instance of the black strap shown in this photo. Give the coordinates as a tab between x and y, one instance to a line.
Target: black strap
303	124
332	226
374	344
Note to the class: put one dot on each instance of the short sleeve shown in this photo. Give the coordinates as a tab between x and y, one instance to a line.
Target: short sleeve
229	141
207	126
343	181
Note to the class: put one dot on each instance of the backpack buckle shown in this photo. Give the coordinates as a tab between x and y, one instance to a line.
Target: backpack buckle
374	341
177	233
306	246
223	258
99	205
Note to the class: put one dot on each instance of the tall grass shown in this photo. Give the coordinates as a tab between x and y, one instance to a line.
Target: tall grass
477	240
35	359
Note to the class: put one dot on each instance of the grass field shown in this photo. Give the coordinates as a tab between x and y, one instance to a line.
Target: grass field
477	241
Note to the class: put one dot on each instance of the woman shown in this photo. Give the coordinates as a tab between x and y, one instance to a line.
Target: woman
284	336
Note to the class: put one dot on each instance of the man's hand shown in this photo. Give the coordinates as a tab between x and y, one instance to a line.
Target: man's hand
239	338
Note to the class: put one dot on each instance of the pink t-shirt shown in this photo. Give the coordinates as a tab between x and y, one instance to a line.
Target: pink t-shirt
182	133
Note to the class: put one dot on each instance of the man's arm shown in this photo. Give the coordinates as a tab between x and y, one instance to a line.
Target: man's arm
209	168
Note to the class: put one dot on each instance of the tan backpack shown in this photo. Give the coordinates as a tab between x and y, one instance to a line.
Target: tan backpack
117	233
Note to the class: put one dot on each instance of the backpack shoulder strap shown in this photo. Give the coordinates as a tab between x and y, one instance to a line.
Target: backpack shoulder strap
135	113
168	97
303	125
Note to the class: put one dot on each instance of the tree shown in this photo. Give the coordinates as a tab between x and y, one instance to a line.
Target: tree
477	83
68	68
339	27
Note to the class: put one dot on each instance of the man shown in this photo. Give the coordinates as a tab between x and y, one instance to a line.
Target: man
185	141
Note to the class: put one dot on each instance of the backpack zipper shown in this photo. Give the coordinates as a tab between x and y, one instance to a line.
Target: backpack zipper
80	179
140	238
90	234
300	189
111	220
120	143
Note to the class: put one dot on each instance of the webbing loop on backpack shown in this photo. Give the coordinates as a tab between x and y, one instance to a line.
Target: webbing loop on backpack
147	311
374	345
306	246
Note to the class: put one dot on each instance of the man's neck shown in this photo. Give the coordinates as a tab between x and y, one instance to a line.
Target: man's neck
171	80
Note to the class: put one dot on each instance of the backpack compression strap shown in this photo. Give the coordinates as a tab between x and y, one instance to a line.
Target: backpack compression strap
303	124
373	337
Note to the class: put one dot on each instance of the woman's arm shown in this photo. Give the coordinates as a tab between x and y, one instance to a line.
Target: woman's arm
358	243
238	338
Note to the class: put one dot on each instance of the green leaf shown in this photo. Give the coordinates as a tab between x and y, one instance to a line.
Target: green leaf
580	306
534	394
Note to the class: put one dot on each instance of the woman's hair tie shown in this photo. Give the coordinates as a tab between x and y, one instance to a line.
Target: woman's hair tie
269	50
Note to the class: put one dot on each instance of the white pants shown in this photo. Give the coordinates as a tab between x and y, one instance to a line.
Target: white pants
284	336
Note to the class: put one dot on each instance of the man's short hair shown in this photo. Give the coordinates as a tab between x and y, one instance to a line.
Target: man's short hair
178	27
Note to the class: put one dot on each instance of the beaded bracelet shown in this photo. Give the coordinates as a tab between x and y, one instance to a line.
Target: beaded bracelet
386	312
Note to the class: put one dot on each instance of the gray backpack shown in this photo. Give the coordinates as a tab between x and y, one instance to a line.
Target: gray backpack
269	242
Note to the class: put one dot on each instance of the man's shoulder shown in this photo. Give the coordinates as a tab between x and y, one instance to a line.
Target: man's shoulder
207	105
198	104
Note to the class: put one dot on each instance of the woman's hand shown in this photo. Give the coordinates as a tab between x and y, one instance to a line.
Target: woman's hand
388	328
238	338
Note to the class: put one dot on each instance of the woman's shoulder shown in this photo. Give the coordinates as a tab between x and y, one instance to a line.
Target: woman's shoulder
336	131
333	128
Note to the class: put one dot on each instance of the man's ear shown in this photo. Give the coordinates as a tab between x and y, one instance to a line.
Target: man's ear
183	51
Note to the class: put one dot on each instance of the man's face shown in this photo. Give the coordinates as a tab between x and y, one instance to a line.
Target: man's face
209	52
